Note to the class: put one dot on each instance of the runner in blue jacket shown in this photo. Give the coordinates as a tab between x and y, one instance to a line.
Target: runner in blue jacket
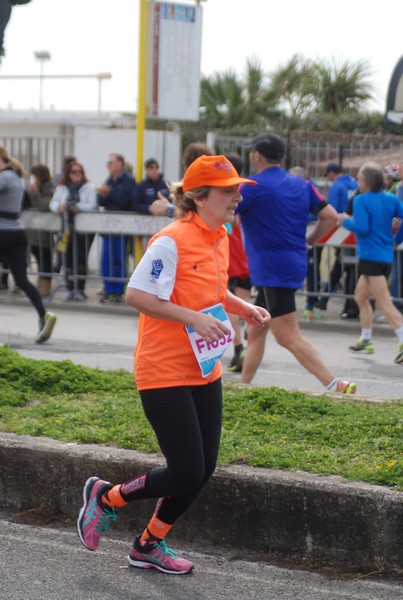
373	213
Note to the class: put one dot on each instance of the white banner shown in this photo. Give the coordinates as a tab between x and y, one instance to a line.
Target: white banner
175	48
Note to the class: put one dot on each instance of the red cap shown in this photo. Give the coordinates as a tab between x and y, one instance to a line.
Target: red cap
215	171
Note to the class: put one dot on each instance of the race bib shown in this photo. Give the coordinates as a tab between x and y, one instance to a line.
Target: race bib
208	355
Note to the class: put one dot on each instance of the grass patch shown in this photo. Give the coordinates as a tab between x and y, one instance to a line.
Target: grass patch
266	427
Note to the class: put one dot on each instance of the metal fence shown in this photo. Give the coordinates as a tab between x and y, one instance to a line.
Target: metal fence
94	227
87	233
313	150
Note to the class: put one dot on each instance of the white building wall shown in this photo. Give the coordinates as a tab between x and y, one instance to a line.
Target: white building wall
92	146
33	137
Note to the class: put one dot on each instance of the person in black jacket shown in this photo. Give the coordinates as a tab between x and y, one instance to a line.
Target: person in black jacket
115	195
146	191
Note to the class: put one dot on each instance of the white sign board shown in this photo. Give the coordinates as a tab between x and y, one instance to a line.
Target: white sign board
175	49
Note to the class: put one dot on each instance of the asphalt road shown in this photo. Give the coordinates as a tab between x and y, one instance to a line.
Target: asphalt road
38	563
106	341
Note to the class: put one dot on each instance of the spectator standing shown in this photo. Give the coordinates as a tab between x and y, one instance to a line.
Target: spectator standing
163	207
173	285
40	192
69	158
14	242
392	176
75	194
373	214
274	215
343	187
146	191
115	194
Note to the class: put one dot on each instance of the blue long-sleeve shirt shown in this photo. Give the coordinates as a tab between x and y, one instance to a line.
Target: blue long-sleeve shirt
373	213
340	192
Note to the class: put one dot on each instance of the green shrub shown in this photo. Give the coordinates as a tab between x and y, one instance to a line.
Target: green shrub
263	427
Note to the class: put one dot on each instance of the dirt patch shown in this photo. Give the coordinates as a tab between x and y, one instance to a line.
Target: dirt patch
39	517
328	569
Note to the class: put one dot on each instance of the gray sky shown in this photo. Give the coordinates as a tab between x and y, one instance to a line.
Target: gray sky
91	36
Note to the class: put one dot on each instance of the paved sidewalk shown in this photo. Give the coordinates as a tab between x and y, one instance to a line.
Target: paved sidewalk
329	319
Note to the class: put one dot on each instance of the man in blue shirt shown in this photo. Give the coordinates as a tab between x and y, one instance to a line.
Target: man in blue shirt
343	187
274	218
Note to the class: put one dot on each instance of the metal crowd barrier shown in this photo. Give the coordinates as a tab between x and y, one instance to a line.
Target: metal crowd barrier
92	227
324	256
139	228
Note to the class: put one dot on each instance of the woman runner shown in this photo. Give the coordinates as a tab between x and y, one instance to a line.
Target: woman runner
183	273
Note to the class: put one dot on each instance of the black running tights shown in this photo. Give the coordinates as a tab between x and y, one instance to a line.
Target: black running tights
14	245
187	423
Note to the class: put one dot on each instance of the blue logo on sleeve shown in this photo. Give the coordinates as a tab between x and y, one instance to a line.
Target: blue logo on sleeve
157	266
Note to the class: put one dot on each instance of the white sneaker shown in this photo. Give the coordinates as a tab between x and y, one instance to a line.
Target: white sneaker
382	319
79	296
46	326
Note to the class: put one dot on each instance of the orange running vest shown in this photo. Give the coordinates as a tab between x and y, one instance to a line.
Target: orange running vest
163	355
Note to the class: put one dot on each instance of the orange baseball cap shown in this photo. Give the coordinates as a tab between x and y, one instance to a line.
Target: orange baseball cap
215	171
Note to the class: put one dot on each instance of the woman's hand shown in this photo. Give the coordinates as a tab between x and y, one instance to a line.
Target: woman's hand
208	327
256	315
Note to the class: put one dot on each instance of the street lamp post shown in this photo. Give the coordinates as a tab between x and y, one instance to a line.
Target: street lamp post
42	56
101	77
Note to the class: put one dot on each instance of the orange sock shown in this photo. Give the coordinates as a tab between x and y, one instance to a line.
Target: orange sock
155	528
113	497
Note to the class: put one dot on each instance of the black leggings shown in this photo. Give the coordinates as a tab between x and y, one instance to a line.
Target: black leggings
187	423
14	246
78	251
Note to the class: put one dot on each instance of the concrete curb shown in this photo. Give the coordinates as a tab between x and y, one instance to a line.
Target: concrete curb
260	510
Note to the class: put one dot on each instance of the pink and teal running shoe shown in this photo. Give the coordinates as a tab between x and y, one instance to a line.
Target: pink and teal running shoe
95	517
157	555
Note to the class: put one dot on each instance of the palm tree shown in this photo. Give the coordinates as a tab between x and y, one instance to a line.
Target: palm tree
341	87
228	101
293	84
221	99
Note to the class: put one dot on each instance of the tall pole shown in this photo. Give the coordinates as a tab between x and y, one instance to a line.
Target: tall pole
141	110
41	55
41	61
101	77
141	92
99	99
